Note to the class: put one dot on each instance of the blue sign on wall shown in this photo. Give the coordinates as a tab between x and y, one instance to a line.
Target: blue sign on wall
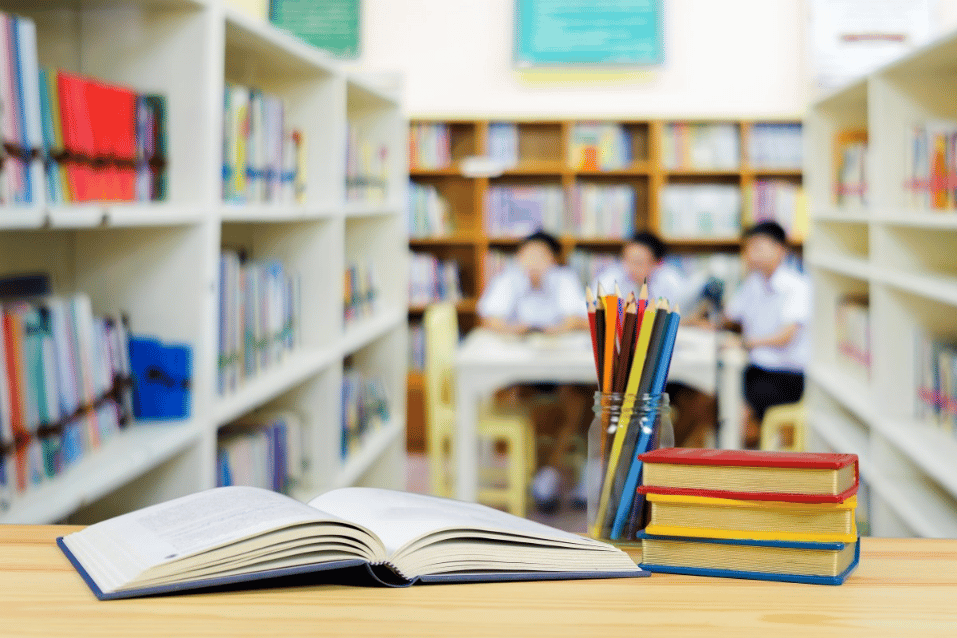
613	32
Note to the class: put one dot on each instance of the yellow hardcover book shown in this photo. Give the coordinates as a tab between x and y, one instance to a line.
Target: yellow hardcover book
705	517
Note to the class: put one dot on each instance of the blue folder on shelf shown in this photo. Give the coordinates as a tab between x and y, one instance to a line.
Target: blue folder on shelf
751	574
161	379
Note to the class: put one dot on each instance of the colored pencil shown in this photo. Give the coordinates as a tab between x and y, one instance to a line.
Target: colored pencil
611	331
590	303
600	336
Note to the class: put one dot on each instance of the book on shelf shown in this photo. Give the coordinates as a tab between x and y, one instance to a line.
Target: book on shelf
70	138
599	146
432	279
850	184
361	290
503	143
931	165
262	155
242	535
262	450
774	145
367	167
365	408
260	317
701	211
936	382
416	347
691	145
792	561
429	146
521	210
64	385
599	210
428	212
852	333
779	201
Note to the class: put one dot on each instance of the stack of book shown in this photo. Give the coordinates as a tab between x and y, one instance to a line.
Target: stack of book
432	279
365	408
701	146
852	332
599	146
520	210
599	210
764	515
701	211
360	290
776	145
936	381
931	165
367	167
263	450
851	186
428	213
779	201
429	146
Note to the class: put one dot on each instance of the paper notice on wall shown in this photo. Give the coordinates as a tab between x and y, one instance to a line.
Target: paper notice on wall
850	38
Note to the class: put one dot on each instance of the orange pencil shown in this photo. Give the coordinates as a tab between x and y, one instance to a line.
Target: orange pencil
611	331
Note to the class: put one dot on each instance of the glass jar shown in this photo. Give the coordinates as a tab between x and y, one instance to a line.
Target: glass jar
623	427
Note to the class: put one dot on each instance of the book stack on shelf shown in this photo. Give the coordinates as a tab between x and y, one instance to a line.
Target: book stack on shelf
432	280
851	182
762	515
263	450
365	408
261	155
931	165
515	211
503	143
602	211
936	376
690	211
777	200
694	145
429	145
260	317
72	138
360	291
853	335
599	146
428	214
64	387
776	145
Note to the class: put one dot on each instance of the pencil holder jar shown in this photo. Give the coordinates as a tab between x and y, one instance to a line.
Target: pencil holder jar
624	426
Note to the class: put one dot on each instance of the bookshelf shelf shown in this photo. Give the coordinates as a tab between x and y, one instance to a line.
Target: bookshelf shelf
129	454
159	262
901	259
376	443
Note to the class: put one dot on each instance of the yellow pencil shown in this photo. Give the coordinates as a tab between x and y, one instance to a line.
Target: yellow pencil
634	376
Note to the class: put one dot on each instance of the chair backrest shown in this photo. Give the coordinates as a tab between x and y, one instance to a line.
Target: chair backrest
441	340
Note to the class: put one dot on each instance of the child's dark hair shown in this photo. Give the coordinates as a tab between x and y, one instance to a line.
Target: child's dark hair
769	229
652	242
545	238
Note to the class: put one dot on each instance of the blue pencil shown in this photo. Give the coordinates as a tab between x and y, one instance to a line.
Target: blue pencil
647	426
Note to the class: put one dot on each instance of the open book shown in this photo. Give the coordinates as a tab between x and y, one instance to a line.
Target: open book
235	534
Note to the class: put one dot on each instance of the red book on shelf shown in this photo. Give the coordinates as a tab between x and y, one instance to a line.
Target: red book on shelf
77	133
796	477
124	141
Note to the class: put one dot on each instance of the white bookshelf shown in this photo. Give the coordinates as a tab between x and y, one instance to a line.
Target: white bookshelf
905	261
159	262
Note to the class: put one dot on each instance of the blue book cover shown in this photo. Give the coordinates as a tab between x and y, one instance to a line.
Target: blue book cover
751	574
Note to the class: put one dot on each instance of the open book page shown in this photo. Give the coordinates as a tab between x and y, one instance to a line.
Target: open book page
422	533
123	549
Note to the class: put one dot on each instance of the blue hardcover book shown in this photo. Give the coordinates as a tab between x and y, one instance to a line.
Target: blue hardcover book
231	535
790	561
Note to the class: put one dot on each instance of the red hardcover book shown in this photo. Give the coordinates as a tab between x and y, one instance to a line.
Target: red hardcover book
797	477
77	133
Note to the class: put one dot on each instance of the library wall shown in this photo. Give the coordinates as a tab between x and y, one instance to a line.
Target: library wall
740	58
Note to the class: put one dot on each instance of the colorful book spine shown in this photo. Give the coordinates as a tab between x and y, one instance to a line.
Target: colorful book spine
432	279
429	146
701	211
599	146
603	211
360	290
263	450
365	408
428	212
931	165
690	145
776	146
517	211
852	332
367	166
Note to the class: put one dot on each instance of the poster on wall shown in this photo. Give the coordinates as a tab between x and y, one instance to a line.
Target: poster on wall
588	32
850	38
332	25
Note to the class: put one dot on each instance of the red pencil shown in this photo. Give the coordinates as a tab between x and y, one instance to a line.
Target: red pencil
590	304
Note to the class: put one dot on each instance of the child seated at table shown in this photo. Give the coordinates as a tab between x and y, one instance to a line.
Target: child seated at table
536	294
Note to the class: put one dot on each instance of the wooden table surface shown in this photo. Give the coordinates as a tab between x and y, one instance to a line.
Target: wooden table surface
903	587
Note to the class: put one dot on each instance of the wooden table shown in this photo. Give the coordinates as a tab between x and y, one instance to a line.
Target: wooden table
902	588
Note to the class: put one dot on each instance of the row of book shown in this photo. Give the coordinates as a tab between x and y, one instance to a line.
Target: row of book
428	214
260	317
69	138
777	200
602	211
263	158
776	145
64	384
690	145
429	146
521	210
931	165
852	334
851	183
701	210
503	143
360	290
599	146
263	450
367	167
743	514
432	279
365	408
936	381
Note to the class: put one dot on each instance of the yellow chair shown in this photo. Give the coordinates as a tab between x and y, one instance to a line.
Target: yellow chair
513	428
777	420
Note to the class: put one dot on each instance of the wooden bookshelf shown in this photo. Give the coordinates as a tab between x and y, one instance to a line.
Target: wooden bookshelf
902	259
158	261
543	159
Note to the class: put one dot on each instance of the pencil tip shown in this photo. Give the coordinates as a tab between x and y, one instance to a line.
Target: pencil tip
677	309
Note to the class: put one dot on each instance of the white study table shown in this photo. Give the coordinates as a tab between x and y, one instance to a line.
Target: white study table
487	361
